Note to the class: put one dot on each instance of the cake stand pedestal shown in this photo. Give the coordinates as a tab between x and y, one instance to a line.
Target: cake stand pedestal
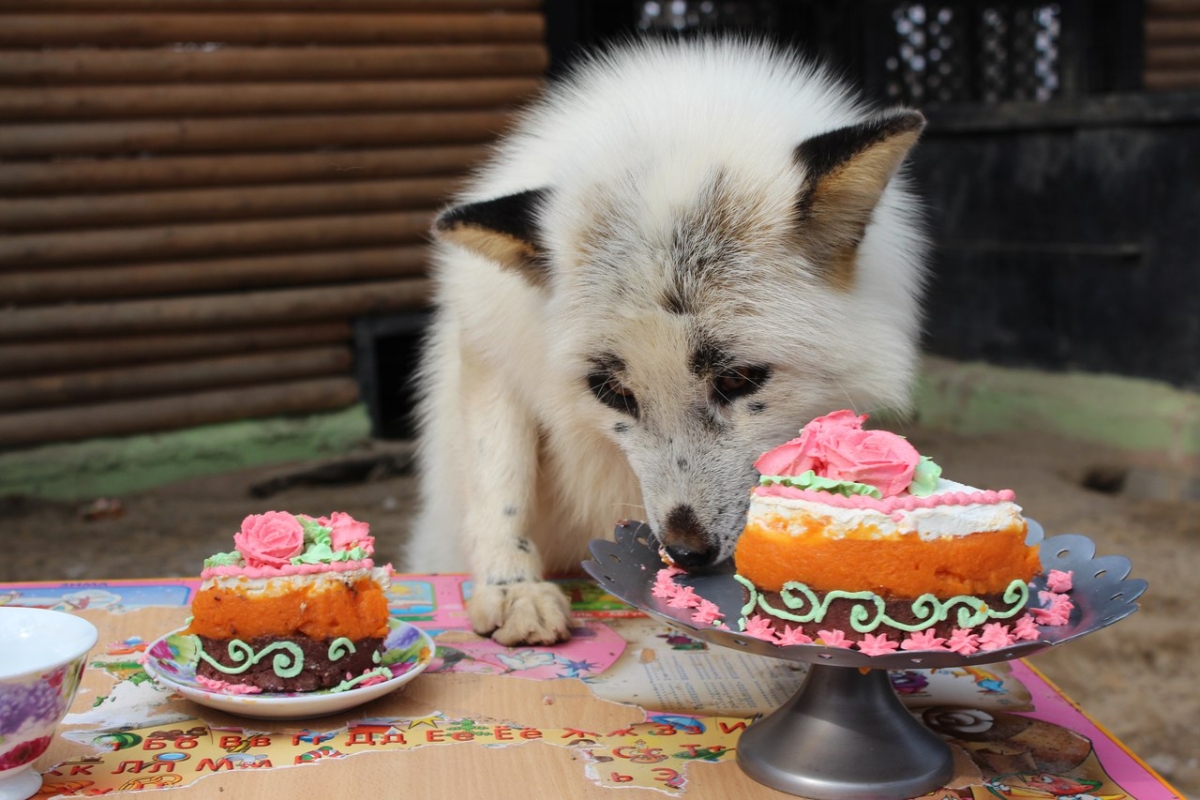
845	735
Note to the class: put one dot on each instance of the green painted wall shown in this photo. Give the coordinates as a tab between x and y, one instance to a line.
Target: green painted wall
1121	413
118	466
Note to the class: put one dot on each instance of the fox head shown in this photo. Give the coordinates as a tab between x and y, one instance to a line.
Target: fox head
707	301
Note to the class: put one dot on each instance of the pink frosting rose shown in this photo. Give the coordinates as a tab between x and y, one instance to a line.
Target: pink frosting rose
270	539
835	446
347	533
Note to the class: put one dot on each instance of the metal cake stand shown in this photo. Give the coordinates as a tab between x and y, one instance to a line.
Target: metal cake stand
845	735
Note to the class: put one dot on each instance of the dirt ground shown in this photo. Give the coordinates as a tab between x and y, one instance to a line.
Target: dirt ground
1138	678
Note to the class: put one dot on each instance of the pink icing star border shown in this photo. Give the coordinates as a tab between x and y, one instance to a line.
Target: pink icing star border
707	614
224	687
289	570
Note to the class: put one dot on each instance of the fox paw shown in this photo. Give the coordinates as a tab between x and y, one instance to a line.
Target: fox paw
521	613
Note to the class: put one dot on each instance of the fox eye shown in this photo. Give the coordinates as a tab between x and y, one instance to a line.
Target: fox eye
609	390
737	382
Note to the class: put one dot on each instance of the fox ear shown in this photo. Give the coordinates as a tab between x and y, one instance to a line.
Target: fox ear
846	172
503	229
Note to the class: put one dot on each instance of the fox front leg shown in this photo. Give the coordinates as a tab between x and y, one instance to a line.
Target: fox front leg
510	601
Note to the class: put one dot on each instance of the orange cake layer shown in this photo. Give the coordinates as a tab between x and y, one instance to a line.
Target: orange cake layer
355	611
899	565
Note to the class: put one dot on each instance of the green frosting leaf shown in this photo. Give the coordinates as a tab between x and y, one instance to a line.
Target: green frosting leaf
353	554
812	481
925	478
314	532
322	553
231	559
316	553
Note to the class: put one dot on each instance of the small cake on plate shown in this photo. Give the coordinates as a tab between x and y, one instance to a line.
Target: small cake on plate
297	606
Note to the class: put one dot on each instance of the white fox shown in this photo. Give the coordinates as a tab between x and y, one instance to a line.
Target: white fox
679	256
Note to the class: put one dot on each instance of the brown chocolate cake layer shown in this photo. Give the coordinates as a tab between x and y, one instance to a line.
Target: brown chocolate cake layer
318	671
838	616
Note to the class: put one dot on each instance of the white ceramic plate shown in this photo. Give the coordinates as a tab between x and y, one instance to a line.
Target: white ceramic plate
408	650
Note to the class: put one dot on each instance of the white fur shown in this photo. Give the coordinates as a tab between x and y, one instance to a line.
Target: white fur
513	444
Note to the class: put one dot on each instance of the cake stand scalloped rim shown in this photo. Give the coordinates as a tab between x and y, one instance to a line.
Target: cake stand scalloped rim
1103	594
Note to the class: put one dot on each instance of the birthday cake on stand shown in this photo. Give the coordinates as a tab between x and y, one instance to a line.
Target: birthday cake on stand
854	540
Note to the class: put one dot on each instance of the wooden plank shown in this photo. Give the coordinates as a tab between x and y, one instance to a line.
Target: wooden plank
159	28
200	205
92	283
272	5
231	169
23	251
1172	31
1167	57
1172	80
73	102
173	377
249	133
38	358
208	312
232	63
27	428
1171	8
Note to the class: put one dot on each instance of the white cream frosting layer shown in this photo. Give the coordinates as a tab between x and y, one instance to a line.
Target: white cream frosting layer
937	522
319	581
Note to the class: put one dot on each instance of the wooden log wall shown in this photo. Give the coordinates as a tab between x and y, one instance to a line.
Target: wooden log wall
197	197
1172	45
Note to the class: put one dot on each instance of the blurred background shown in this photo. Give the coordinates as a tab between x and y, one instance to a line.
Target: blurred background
213	227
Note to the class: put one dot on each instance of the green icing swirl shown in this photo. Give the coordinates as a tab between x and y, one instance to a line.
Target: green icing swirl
378	672
870	612
287	664
746	609
290	663
340	648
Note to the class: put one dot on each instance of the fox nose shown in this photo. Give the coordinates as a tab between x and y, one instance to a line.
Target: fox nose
685	540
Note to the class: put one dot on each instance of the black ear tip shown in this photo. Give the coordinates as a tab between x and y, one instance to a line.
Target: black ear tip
917	118
447	219
904	120
513	215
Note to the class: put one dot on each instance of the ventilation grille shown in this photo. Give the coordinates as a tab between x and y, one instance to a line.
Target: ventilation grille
946	53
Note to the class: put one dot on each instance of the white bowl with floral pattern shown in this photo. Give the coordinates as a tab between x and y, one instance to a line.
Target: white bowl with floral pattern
42	655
